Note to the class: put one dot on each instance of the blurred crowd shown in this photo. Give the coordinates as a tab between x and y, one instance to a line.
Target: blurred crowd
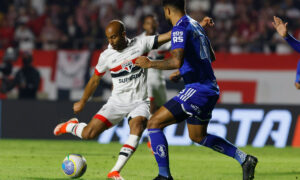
242	26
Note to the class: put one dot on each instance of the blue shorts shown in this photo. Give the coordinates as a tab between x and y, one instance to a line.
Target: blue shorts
191	105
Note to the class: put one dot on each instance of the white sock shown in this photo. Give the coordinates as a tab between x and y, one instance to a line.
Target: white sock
126	151
76	128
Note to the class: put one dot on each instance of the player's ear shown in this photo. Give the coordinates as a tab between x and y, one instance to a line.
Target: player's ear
167	11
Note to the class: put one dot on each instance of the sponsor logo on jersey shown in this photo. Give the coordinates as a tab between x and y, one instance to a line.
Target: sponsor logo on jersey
134	76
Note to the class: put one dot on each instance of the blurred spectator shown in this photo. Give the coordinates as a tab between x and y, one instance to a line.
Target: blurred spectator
82	15
6	80
12	15
291	10
6	34
36	22
71	32
23	16
281	47
223	9
27	79
245	23
50	36
25	38
199	5
39	6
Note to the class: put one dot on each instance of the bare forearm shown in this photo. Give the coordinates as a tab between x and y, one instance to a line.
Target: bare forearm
163	38
89	89
167	64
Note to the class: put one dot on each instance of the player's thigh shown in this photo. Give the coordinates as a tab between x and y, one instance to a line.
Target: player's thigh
197	132
161	118
94	128
170	113
111	114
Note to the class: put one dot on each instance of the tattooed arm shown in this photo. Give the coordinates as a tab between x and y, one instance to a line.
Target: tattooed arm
174	62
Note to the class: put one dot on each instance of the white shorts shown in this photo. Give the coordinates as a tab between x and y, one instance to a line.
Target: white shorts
111	114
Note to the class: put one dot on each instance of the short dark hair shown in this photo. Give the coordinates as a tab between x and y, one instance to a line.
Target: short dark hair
178	4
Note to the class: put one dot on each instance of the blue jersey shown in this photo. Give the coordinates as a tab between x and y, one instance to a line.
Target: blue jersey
293	42
196	70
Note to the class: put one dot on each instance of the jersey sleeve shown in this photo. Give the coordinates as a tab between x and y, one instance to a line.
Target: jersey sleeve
165	47
101	66
147	43
293	42
178	37
297	80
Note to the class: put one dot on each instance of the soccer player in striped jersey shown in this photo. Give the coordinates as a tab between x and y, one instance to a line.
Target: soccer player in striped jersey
281	28
129	95
192	55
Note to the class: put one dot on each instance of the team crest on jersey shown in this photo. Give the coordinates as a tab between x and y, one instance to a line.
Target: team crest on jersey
127	66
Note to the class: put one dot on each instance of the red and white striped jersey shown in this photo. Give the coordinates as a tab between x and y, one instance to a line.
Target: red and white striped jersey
129	81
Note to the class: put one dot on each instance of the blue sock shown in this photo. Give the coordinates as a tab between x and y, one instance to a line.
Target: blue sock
223	146
159	146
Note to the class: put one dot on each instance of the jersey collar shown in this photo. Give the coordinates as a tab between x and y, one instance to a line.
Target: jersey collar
181	19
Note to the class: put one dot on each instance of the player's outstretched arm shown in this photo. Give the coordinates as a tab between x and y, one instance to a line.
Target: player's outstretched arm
88	92
163	38
281	28
174	62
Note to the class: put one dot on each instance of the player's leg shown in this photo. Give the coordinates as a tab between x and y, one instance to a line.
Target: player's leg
163	117
82	130
137	120
159	94
137	126
97	125
198	133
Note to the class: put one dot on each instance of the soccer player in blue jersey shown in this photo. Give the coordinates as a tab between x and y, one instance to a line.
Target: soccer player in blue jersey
192	55
281	28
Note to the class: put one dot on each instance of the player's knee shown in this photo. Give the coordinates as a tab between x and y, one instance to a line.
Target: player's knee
197	138
138	127
153	123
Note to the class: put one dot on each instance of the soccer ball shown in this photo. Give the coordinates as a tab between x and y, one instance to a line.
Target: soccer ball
74	165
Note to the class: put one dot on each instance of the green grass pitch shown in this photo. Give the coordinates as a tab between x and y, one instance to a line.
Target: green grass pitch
41	160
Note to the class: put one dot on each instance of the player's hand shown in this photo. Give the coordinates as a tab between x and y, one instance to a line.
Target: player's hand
207	21
143	62
280	26
175	76
78	107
